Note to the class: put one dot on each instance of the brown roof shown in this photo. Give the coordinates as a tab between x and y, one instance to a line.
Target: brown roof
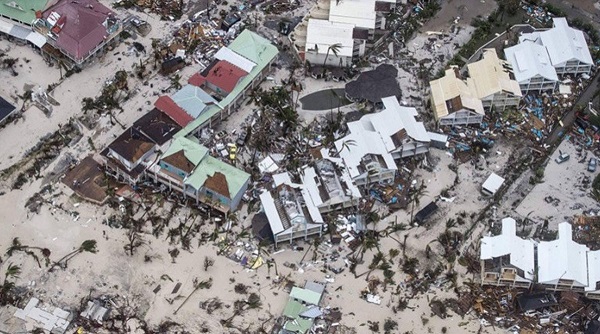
131	146
398	137
218	183
179	160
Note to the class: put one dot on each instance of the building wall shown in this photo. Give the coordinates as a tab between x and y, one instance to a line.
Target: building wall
573	67
461	117
537	83
215	196
235	201
172	169
384	175
500	101
332	60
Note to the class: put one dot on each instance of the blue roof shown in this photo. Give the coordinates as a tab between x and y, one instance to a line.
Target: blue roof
193	100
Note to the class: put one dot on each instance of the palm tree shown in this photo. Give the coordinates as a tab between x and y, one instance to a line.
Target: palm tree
197	286
86	246
7	295
13	271
16	246
333	48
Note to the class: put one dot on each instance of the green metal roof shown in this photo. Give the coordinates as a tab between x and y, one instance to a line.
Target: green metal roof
22	10
305	295
209	165
248	45
193	151
193	100
296	324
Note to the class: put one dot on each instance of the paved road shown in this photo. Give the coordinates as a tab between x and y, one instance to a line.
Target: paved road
569	117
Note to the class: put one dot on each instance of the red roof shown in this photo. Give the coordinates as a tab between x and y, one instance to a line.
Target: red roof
197	80
225	75
169	107
83	26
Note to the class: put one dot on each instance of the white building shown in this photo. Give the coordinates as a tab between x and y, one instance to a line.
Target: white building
321	35
567	48
532	67
492	184
564	264
377	139
347	19
507	259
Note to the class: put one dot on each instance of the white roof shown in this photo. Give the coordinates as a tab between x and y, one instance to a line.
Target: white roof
593	264
267	165
230	56
360	13
565	43
493	183
372	134
529	60
521	251
324	33
345	177
36	38
562	259
310	192
268	204
439	137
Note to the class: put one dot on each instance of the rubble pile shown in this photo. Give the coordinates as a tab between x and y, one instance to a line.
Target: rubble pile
526	311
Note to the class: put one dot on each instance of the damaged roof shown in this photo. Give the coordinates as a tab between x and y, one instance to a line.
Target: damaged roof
225	75
489	76
131	146
521	251
450	94
156	126
169	107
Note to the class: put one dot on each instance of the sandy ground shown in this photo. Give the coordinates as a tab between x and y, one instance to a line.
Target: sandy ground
565	187
112	272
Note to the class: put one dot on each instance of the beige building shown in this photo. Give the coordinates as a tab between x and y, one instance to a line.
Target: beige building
492	82
452	101
457	101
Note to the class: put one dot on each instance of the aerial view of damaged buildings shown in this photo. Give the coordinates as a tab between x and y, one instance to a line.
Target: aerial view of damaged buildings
325	125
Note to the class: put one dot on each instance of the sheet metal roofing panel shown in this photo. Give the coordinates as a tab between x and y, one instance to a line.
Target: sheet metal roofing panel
593	265
19	32
493	183
488	76
226	54
268	204
360	13
565	43
5	26
193	100
521	251
37	39
362	142
529	60
323	34
562	259
305	295
416	130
